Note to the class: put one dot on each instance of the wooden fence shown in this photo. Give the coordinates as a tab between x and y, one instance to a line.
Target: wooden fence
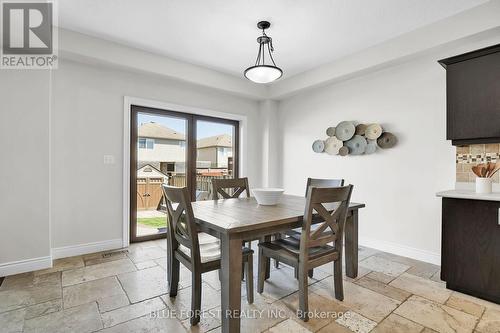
150	195
203	183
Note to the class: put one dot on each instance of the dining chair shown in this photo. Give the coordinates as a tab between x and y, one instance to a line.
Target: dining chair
197	251
313	249
230	188
316	182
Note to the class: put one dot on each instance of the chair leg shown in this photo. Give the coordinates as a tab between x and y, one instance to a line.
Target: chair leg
170	257
303	294
261	274
195	298
249	278
169	267
337	279
276	262
174	277
310	273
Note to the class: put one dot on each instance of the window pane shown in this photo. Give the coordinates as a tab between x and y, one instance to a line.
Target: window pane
142	143
161	159
214	155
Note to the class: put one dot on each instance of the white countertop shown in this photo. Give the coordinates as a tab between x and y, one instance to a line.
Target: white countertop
469	194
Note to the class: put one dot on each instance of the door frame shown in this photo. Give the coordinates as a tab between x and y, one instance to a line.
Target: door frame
173	109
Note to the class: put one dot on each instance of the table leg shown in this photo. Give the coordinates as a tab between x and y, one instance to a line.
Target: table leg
231	284
351	245
268	261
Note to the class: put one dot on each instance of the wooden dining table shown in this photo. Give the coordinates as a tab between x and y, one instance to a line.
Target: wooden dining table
241	219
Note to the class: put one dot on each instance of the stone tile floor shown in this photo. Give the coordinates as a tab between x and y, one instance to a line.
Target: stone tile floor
126	291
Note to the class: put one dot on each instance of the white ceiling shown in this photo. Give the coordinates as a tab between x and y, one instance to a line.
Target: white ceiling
220	34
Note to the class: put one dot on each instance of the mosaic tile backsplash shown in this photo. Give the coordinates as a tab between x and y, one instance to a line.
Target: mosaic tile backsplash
468	156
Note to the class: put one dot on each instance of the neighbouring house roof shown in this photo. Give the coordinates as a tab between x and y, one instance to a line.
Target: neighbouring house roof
157	131
149	171
223	140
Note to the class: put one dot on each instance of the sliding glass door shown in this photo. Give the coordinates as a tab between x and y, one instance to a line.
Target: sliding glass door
216	143
177	149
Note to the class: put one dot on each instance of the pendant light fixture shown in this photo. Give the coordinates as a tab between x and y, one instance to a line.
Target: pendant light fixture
260	72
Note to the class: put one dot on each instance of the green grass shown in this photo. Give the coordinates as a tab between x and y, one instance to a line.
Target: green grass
153	222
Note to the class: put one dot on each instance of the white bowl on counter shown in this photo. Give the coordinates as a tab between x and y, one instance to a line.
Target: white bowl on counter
267	196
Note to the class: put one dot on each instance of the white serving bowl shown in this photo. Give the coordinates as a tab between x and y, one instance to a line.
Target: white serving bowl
267	196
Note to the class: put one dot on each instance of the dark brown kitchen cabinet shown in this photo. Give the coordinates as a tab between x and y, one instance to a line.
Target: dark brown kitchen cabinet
473	96
470	254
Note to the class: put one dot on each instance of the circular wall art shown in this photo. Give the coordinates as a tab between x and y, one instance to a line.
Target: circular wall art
345	130
330	131
360	129
387	140
373	131
348	139
356	145
333	145
371	146
344	151
318	146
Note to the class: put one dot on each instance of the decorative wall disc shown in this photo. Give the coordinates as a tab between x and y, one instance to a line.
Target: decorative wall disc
387	140
360	129
333	145
356	145
330	131
344	151
371	146
345	130
373	131
318	146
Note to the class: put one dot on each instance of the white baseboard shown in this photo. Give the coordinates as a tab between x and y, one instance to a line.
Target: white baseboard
401	250
80	249
27	265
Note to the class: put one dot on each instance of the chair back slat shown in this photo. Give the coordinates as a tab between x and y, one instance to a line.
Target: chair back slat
328	218
322	240
317	182
181	226
331	204
235	186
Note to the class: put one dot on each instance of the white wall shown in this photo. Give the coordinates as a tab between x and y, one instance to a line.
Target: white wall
87	123
268	110
398	185
24	170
